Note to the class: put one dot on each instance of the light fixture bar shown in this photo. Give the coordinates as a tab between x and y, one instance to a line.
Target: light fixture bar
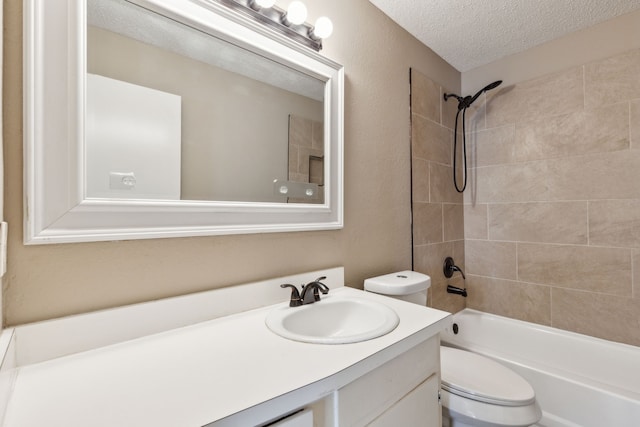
275	18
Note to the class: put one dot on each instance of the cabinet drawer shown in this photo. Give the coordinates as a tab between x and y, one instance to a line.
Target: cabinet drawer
301	419
366	398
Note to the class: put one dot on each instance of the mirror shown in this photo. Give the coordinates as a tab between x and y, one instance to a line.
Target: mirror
173	113
177	119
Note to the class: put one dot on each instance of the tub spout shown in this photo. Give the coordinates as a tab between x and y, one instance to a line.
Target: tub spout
456	290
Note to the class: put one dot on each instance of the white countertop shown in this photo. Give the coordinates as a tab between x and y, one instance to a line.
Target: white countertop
200	374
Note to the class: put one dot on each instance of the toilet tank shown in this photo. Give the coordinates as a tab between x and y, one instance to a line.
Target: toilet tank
406	285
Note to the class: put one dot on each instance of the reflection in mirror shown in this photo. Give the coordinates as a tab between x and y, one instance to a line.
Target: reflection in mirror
175	113
306	156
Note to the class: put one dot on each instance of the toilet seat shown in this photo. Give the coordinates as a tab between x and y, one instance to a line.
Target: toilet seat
479	378
469	412
478	391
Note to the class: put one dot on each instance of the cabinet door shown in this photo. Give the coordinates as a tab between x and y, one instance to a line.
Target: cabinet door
366	398
419	408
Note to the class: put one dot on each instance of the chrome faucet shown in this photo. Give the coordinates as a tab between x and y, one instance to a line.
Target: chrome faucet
310	292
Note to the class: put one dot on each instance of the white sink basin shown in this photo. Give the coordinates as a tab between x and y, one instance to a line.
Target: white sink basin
333	320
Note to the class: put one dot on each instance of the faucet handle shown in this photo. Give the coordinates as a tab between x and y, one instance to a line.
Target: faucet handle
323	288
316	287
450	267
295	300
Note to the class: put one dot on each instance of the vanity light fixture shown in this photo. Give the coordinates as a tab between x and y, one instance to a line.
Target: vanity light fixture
290	22
322	29
296	14
259	4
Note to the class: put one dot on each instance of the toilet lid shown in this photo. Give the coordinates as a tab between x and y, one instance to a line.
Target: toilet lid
480	378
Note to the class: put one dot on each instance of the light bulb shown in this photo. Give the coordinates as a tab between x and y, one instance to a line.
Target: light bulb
265	4
323	27
296	12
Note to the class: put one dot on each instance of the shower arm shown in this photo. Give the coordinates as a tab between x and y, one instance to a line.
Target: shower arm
465	102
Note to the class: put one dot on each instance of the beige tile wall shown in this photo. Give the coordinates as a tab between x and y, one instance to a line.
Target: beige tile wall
438	226
552	219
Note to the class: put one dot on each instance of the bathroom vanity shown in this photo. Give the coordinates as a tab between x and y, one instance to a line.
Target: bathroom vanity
209	359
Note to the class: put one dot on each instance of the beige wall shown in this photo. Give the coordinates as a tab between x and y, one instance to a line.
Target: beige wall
600	41
49	281
438	227
552	220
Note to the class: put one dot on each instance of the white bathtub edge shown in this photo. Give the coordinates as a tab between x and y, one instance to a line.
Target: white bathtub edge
566	398
8	373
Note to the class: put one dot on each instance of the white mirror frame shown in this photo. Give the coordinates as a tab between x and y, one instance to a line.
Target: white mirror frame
56	209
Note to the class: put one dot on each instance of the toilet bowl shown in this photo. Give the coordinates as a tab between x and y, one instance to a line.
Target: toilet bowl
476	391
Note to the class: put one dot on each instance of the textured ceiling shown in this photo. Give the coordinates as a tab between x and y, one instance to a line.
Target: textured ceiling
471	33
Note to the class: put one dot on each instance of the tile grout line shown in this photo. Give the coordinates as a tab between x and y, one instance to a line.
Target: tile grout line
429	183
633	284
629	130
441	102
551	305
552	286
442	216
588	227
584	87
485	110
560	244
520	163
517	259
487	223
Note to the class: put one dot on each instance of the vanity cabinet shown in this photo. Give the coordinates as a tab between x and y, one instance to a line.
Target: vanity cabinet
302	418
68	368
418	408
403	391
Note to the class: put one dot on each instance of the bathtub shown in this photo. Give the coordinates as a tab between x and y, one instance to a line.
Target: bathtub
579	380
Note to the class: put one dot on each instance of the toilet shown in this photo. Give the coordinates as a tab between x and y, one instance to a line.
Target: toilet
476	391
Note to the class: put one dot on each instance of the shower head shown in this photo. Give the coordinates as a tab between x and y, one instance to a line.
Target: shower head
491	86
483	90
468	100
463	104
